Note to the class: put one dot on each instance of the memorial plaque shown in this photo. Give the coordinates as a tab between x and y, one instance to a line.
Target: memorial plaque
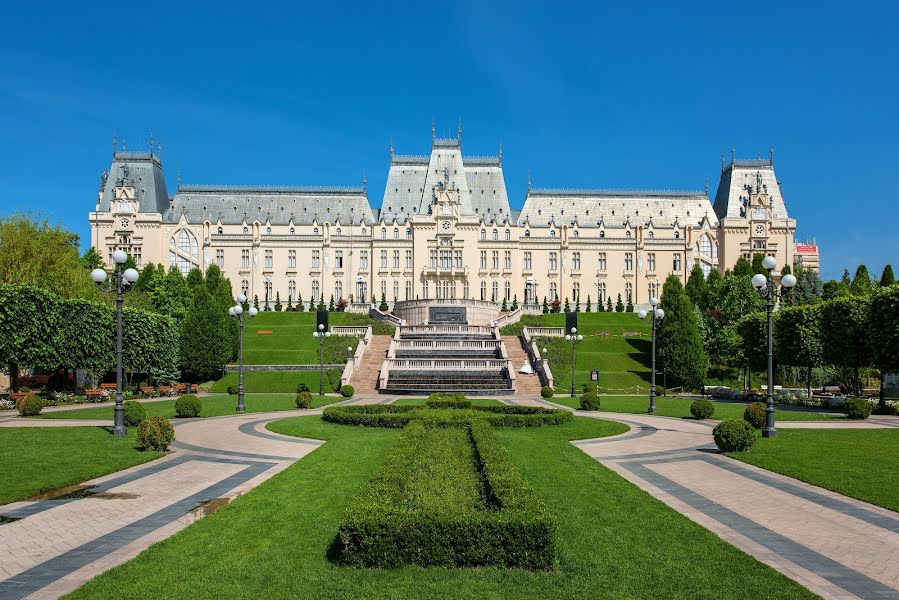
594	375
447	314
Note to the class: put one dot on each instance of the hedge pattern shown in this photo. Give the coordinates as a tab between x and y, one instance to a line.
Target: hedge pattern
378	415
479	511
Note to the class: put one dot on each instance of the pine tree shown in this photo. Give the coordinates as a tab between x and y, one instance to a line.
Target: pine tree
567	306
887	279
861	283
696	288
515	302
504	307
619	306
545	306
289	304
577	304
278	301
588	303
331	304
845	279
678	340
300	302
609	304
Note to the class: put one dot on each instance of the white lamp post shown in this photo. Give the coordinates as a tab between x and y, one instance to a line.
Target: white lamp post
321	334
237	312
657	314
766	289
121	284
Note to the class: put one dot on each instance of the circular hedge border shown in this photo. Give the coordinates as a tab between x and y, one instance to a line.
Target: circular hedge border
379	415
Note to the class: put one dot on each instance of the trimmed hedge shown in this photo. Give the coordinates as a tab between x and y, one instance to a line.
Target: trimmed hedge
424	506
232	390
304	400
734	435
590	401
188	406
702	409
857	408
155	433
347	391
547	392
755	414
447	401
134	412
380	415
30	405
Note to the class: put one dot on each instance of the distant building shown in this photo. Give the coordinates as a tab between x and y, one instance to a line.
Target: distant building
444	229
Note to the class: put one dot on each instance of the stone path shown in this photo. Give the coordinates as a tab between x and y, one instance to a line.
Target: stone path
836	546
51	547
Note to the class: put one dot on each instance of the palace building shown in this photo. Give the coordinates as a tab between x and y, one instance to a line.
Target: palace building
444	229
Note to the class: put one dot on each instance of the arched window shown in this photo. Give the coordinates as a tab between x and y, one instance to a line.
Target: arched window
268	230
651	235
184	251
601	291
676	235
363	231
483	290
244	287
396	233
527	233
629	292
338	290
292	231
408	233
339	232
552	291
705	246
383	233
315	231
575	234
246	230
627	234
508	235
576	291
291	290
552	233
315	290
495	235
221	230
602	234
483	236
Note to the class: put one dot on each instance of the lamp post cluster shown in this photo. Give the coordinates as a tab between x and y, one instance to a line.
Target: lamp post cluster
121	283
656	314
237	312
321	334
767	290
573	338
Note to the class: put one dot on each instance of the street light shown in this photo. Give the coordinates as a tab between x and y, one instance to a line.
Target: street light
236	311
121	284
321	334
573	338
766	289
657	315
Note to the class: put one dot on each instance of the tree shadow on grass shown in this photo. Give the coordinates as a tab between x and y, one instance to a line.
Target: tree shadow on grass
334	554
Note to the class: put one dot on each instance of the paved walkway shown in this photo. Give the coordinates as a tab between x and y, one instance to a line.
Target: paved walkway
51	547
836	546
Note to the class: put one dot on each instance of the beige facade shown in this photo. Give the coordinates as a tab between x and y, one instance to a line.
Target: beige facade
444	230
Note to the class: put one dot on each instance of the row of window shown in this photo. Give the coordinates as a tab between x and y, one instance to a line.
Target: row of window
507	235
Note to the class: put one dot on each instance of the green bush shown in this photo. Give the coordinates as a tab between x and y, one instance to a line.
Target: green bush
188	406
232	390
590	401
134	412
30	405
447	401
155	433
755	414
547	392
857	408
702	409
304	400
372	415
454	526
302	388
887	409
381	415
347	391
590	387
734	435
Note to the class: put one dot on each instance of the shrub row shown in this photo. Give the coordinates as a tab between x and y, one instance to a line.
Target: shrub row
371	415
447	401
396	521
379	415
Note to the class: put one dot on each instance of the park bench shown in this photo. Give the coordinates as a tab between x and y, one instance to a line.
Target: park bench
107	386
831	390
631	334
264	332
93	393
16	396
165	389
147	389
180	387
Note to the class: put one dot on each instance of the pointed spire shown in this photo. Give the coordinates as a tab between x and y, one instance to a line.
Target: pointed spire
124	145
529	180
771	154
365	180
706	185
459	130
391	148
433	130
115	142
179	179
722	159
733	153
500	154
151	143
159	149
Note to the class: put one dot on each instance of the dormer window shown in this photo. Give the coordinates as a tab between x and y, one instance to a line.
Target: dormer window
268	230
651	235
246	230
292	231
627	234
221	230
602	234
527	233
483	234
552	233
495	235
315	231
338	231
383	233
575	234
508	235
677	235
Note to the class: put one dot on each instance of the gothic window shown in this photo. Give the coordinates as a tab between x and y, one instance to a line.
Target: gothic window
602	262
706	268
383	233
677	235
338	289
268	230
408	233
383	288
292	231
601	291
483	234
291	259
184	251
575	234
315	231
602	234
465	290
338	260
221	230
315	290
553	261
552	233
651	261
576	261
244	287
705	246
495	235
246	230
495	291
575	291
291	290
629	292
527	261
677	263
483	290
651	235
396	233
527	233
628	261
245	259
553	294
483	261
627	234
495	256
338	231
508	235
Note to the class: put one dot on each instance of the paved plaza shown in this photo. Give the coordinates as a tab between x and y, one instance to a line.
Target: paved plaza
836	546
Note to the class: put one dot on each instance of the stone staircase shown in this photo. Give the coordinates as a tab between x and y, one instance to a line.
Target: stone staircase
525	385
365	376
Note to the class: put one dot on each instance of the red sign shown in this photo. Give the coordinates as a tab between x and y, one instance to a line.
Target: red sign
804	249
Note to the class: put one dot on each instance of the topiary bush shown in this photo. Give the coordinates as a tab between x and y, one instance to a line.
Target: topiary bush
347	391
547	392
857	408
232	390
302	388
134	412
304	400
734	435
155	433
702	409
30	405
590	387
188	406
590	401
755	414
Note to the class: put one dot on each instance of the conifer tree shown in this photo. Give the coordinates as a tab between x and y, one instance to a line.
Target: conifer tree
577	304
289	304
567	306
679	343
312	304
861	283
278	301
383	307
256	301
504	307
588	303
757	266
742	268
619	305
515	302
205	344
845	279
545	306
300	304
609	304
331	304
630	305
887	278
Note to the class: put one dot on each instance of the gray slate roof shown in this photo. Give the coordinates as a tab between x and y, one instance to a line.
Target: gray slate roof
733	196
141	170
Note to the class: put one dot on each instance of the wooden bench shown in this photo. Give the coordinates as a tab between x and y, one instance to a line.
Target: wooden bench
16	396
148	389
180	387
94	393
165	389
107	386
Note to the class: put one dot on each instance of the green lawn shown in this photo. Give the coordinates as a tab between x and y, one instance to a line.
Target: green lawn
39	459
421	402
213	406
856	462
680	407
290	341
614	539
265	382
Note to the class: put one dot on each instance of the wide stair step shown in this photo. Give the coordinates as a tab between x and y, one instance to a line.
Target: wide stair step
525	385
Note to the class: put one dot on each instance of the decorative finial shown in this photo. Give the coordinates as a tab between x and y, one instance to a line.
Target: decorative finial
391	148
758	182
722	159
159	149
758	155
529	180
500	155
733	153
114	142
433	130
706	185
771	154
151	143
124	145
460	130
179	179
364	181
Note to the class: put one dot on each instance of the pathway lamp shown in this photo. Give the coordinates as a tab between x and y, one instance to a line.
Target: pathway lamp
764	284
321	334
656	314
238	313
573	338
121	283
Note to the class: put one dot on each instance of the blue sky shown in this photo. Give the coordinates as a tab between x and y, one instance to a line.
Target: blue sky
623	95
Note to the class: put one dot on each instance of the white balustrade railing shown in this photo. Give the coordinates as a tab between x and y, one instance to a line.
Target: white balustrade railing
356	360
350	330
475	329
447	364
402	344
545	331
530	345
508	318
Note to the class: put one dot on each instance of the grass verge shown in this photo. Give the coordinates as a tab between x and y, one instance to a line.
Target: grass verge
34	460
268	382
614	540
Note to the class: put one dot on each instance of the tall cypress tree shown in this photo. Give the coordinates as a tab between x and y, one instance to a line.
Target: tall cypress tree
887	279
861	283
696	288
679	343
205	346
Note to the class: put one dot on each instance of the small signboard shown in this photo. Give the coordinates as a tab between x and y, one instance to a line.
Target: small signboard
594	375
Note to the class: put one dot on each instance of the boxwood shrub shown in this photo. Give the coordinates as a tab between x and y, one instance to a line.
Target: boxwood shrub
590	401
304	400
449	524
347	391
547	392
370	415
702	409
755	414
857	408
188	406
734	435
155	433
134	412
30	405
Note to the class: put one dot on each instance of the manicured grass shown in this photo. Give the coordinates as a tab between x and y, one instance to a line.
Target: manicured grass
615	540
856	462
421	402
680	407
39	459
262	382
213	406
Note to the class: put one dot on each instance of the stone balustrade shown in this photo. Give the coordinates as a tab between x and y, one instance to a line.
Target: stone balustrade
533	351
545	331
445	329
